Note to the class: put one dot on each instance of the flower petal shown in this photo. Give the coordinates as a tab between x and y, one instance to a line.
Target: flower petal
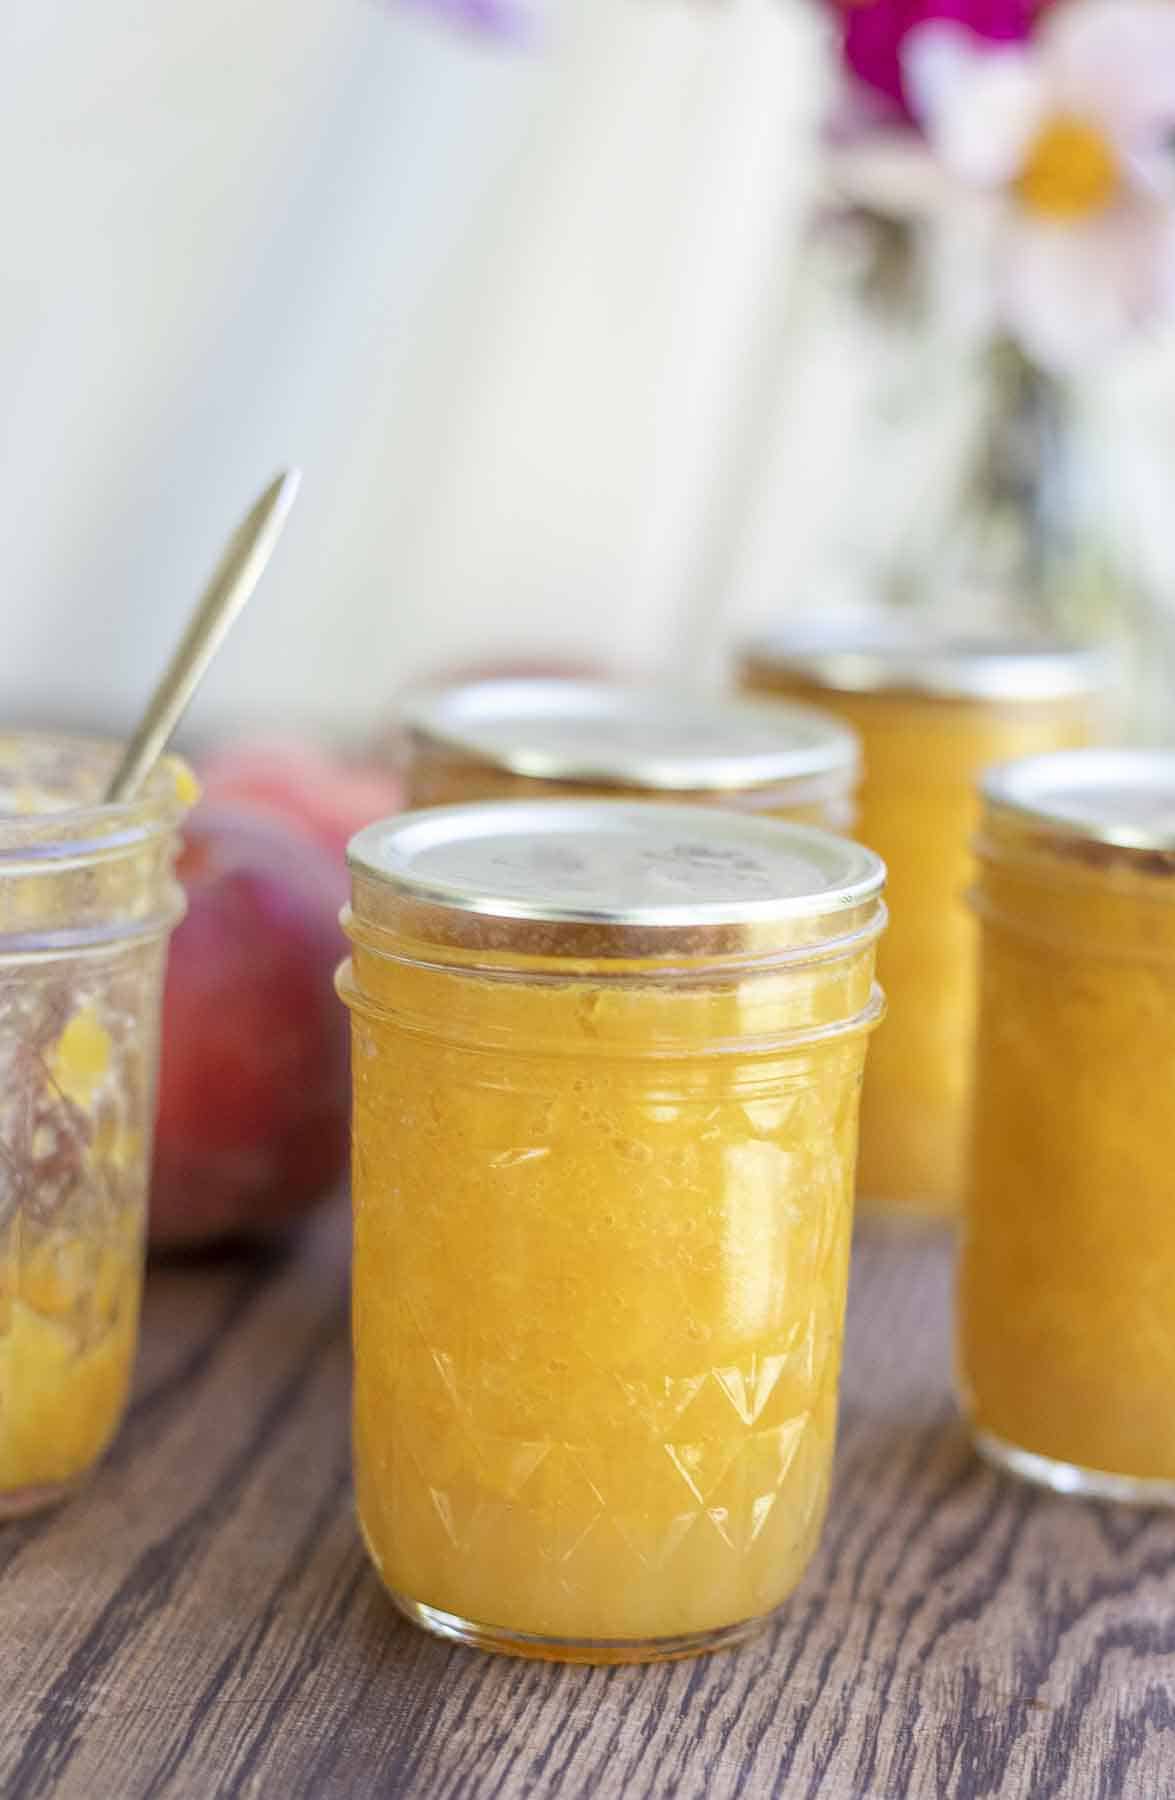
980	107
873	32
1114	60
999	21
1070	293
872	36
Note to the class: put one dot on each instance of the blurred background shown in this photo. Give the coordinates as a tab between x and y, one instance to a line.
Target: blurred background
551	308
512	306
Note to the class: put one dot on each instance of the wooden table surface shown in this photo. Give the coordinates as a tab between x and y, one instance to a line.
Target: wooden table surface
201	1622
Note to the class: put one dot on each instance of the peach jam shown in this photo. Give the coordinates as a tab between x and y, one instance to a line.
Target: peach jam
87	899
931	715
500	740
606	1064
1067	1279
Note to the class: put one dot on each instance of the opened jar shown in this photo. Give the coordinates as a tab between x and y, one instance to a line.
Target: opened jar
87	900
509	739
932	713
607	1061
1066	1318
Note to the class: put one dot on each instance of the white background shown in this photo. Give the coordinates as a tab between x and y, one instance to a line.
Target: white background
527	319
516	314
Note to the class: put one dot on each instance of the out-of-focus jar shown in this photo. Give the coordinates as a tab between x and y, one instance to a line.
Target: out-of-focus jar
87	899
931	716
1067	1280
606	1062
501	740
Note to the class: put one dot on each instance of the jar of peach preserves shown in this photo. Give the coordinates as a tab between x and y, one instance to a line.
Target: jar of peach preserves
1066	1327
87	901
509	739
606	1063
931	715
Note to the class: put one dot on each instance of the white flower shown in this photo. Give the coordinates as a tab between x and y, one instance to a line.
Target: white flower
1069	144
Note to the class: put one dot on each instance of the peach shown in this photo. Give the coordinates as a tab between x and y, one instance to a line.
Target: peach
254	1087
326	797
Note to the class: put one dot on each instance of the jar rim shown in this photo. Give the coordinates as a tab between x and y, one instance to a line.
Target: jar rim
630	736
50	767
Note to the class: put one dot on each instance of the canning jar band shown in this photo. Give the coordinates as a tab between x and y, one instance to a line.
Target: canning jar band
812	785
31	946
1007	837
1075	860
664	1049
969	670
377	940
1107	950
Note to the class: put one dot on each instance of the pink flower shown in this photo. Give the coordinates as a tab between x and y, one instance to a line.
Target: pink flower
874	32
1064	147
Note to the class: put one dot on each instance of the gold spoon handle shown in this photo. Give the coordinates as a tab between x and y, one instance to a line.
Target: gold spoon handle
236	575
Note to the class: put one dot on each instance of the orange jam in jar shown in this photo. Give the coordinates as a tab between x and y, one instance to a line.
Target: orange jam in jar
931	716
606	1062
87	899
1066	1331
506	740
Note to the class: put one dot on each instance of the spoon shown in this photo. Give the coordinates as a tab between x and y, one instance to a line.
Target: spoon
236	575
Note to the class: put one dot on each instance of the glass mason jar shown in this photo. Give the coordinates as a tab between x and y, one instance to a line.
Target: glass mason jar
1066	1327
87	899
498	740
931	716
606	1062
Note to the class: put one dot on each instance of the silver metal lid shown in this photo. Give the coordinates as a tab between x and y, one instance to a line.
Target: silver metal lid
662	870
632	737
1118	797
899	655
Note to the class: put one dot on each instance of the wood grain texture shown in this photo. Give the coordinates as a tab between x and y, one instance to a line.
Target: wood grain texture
201	1623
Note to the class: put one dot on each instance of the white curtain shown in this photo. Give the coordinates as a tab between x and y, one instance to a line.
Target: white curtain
514	312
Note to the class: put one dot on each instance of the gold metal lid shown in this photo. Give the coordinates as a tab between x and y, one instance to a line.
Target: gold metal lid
634	737
611	878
